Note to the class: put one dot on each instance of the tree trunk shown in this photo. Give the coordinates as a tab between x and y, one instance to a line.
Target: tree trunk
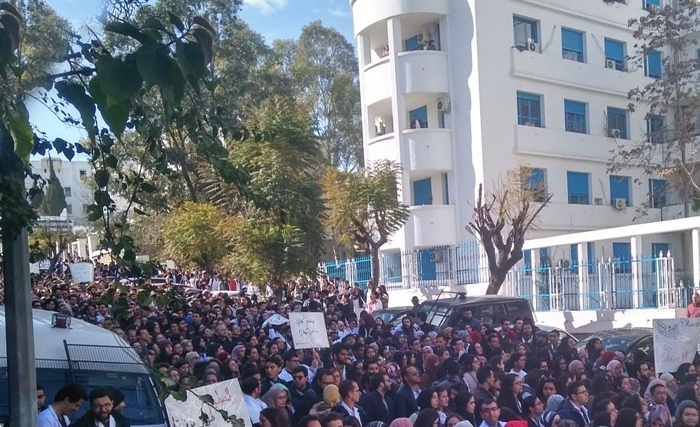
374	254
495	282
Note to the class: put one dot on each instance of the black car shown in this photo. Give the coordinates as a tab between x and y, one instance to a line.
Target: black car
389	315
489	309
625	340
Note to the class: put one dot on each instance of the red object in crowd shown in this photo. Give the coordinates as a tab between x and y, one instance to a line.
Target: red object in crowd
232	285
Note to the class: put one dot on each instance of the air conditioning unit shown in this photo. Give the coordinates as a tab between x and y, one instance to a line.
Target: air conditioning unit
532	46
613	133
444	105
609	63
436	256
620	204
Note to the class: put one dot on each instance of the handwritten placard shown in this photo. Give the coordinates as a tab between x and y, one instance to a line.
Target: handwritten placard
308	330
226	395
81	272
675	342
34	268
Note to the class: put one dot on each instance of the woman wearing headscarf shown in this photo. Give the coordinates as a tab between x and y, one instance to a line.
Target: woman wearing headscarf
401	422
658	407
615	368
549	419
278	397
430	363
331	397
671	390
687	414
554	402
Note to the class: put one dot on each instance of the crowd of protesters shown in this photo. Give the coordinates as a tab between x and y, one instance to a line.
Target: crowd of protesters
378	375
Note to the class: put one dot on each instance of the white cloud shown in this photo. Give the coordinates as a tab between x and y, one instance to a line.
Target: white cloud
266	6
341	12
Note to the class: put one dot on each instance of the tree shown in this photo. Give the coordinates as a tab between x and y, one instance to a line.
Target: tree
502	219
54	200
363	207
49	243
192	235
324	70
665	49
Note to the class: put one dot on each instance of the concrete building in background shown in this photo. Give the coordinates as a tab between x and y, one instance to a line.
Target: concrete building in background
459	92
72	176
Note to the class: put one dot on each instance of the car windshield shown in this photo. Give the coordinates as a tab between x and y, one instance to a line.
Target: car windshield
616	343
436	313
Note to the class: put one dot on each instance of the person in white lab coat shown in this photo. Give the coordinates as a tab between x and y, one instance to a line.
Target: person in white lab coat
66	401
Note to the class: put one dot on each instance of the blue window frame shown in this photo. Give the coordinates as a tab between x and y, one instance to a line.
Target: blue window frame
418	118
572	45
412	43
620	189
544	258
622	257
590	257
615	51
527	260
655	129
652	2
653	65
577	184
423	192
529	109
658	250
617	119
657	193
525	29
535	182
575	116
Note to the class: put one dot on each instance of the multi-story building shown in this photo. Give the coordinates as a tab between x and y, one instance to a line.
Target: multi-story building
459	92
72	176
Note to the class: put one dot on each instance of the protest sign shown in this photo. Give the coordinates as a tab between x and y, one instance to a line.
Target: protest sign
34	268
81	272
675	342
226	396
308	330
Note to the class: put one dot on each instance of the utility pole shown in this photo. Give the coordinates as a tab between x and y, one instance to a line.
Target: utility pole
19	331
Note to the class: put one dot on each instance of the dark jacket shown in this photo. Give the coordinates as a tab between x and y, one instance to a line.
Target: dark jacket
339	409
405	403
567	411
302	400
375	408
88	420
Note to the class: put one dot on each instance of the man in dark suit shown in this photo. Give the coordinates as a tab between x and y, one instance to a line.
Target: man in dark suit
405	403
349	397
574	408
377	405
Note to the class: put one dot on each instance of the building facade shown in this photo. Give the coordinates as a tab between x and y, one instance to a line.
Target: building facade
72	175
459	92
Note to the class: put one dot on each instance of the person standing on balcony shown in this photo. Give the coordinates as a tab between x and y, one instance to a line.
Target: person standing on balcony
693	309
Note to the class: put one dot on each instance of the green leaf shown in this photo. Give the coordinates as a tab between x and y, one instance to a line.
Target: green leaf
206	398
152	63
12	25
75	94
153	22
111	161
147	188
22	135
115	113
198	20
191	58
193	381
206	41
127	29
180	396
94	213
176	21
119	80
101	178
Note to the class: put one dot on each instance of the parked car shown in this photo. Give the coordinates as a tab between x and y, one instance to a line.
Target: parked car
625	340
390	315
489	309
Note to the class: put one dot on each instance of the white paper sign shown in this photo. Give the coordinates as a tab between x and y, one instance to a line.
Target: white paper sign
82	272
34	268
227	396
675	342
308	330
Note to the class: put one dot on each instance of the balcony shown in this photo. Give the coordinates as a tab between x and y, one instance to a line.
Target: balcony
423	71
433	225
377	81
429	150
382	147
557	70
616	14
367	12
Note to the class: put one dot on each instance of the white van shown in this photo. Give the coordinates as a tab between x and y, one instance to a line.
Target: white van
90	356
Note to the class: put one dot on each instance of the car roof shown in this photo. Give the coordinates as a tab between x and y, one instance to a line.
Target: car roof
622	332
394	309
489	299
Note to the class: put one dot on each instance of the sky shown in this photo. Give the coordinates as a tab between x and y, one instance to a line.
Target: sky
274	19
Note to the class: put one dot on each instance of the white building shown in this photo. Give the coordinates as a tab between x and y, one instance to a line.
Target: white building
72	175
461	91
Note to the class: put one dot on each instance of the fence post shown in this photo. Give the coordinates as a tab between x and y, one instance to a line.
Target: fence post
582	275
696	257
535	259
636	273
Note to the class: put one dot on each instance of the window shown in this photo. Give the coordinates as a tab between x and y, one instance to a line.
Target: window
620	189
535	182
617	120
412	43
652	65
445	190
525	30
655	129
422	192
622	257
83	173
660	250
419	117
590	257
67	191
572	45
69	209
544	257
529	109
575	117
648	3
615	51
578	188
657	193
